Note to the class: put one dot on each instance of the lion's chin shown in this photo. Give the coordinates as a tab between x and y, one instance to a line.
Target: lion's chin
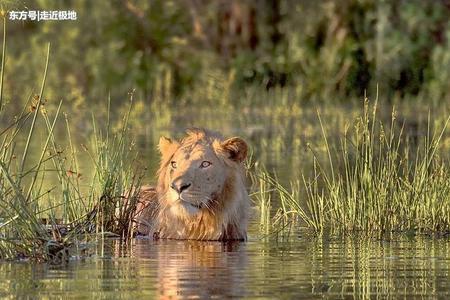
190	208
184	207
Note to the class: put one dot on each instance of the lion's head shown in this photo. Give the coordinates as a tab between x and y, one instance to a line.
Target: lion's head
201	190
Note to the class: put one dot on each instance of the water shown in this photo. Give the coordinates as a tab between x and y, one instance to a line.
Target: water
300	268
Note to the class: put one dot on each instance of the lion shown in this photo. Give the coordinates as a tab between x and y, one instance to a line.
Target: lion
200	193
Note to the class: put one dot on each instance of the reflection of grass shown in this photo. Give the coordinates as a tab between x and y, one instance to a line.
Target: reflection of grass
44	223
375	183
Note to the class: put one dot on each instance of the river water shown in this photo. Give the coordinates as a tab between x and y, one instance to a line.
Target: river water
300	267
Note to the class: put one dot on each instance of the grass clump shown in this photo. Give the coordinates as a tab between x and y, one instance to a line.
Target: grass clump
44	222
378	180
115	184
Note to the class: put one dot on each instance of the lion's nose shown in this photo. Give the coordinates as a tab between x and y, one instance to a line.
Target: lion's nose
180	186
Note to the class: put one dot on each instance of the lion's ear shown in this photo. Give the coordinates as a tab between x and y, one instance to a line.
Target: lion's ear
166	146
236	148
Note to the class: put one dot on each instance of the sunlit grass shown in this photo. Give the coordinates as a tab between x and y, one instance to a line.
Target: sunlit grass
377	181
46	223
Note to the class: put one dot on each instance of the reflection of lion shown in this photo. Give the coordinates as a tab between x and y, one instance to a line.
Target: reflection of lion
200	270
201	192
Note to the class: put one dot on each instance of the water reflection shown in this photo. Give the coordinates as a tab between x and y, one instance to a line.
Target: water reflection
188	269
301	268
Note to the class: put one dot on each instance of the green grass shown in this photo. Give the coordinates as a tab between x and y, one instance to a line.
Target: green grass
46	223
378	180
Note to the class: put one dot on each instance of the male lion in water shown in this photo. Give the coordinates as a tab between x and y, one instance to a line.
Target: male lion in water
201	191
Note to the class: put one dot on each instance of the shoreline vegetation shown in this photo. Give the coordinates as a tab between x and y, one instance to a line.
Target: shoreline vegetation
378	181
44	224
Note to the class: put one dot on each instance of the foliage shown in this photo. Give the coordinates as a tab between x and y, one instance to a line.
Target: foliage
380	181
168	50
44	223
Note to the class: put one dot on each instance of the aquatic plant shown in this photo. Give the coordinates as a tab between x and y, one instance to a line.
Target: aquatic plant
379	180
45	223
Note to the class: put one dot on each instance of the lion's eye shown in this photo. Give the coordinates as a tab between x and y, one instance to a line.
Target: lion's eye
173	164
205	164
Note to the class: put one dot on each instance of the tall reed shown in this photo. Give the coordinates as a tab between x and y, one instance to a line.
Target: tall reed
46	223
379	181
